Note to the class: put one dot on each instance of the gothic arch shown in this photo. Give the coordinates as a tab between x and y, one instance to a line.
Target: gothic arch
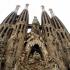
41	45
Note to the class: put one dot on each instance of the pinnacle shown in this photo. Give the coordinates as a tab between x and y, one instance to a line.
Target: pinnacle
51	12
35	20
26	6
43	8
17	8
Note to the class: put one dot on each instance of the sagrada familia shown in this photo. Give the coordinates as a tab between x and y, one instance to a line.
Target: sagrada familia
45	47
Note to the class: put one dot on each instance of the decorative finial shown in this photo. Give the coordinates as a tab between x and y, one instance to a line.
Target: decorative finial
35	20
52	13
35	17
43	8
17	8
26	7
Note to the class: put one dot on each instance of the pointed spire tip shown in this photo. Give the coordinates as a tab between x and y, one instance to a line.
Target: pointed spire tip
17	8
51	12
43	8
27	6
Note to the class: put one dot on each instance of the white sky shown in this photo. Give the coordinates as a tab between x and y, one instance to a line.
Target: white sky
60	7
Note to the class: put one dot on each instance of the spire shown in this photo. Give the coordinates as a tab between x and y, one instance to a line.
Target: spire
51	12
45	18
17	8
35	20
57	23
35	26
26	6
11	18
24	16
43	8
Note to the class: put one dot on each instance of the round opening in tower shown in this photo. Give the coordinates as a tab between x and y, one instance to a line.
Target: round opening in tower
36	52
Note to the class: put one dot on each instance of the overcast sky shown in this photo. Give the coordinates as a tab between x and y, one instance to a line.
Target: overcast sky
61	8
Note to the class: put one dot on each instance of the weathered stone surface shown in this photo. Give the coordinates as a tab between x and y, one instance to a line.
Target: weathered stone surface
45	47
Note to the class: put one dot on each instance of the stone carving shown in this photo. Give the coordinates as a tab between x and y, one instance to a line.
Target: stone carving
45	47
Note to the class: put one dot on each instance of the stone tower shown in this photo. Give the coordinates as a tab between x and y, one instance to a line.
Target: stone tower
45	47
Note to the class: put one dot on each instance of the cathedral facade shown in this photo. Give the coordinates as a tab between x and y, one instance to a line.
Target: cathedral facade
45	47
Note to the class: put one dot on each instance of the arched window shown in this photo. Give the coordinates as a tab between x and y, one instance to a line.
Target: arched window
36	49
